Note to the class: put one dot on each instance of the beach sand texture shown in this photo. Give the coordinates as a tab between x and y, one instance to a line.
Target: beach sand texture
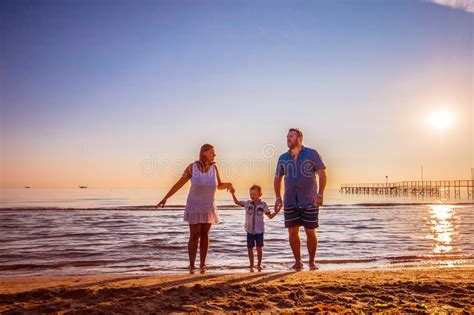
442	290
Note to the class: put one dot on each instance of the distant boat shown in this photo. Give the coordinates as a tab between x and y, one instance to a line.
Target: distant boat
27	187
83	187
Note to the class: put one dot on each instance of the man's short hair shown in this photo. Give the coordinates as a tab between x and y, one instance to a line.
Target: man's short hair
299	132
256	187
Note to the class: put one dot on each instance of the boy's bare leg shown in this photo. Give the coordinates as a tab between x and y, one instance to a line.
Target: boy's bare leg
259	257
295	243
250	251
312	245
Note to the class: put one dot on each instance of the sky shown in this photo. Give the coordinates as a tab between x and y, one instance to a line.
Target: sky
124	93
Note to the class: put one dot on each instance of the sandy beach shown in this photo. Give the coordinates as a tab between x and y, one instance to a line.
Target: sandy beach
411	290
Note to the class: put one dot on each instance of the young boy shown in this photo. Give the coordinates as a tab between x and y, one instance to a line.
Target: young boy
254	224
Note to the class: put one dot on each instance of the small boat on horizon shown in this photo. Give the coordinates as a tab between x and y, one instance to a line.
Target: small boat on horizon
83	187
27	187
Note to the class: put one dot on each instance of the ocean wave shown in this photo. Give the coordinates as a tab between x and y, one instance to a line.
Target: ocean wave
375	262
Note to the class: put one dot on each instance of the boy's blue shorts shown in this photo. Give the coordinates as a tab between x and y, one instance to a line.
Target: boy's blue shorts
253	239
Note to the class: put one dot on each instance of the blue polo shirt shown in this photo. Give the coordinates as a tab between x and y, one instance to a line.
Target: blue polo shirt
299	177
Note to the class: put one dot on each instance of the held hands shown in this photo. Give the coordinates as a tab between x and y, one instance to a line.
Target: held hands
278	204
230	188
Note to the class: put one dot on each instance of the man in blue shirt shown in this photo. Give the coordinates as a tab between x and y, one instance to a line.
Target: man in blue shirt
302	198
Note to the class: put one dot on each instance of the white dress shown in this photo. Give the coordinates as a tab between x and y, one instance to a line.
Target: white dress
200	205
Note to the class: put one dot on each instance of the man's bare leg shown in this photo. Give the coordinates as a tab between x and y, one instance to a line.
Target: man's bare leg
312	245
295	243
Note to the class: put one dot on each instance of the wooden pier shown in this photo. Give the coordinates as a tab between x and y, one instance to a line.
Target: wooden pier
442	188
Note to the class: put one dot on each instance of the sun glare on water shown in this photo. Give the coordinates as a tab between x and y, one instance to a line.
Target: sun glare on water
442	228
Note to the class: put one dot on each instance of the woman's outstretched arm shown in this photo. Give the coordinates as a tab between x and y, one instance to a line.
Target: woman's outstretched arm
177	186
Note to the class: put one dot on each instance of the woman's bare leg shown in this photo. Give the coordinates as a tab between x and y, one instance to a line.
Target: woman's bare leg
194	235
204	243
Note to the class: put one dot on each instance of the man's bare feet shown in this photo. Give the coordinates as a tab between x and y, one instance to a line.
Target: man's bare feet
297	265
259	267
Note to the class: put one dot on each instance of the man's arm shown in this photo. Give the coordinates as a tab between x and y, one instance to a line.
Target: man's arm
322	179
277	188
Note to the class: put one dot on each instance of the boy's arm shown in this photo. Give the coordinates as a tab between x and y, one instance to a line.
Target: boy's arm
236	201
269	214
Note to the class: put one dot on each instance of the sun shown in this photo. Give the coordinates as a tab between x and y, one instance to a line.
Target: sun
442	118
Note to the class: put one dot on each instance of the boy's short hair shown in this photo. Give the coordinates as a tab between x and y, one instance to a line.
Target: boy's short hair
257	187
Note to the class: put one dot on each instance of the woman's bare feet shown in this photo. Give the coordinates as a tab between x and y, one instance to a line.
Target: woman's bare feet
312	266
297	265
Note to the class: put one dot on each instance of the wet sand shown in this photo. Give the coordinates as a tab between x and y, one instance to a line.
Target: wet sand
445	290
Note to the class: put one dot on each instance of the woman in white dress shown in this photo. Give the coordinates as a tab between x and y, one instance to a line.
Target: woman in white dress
201	210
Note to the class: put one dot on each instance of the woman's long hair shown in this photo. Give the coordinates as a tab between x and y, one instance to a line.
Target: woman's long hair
202	159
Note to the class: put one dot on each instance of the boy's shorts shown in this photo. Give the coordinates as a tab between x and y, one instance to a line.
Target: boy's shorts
302	216
253	239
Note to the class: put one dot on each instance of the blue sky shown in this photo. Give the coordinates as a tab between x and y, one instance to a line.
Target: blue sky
92	90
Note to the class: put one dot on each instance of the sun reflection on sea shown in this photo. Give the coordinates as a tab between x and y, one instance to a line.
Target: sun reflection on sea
442	228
